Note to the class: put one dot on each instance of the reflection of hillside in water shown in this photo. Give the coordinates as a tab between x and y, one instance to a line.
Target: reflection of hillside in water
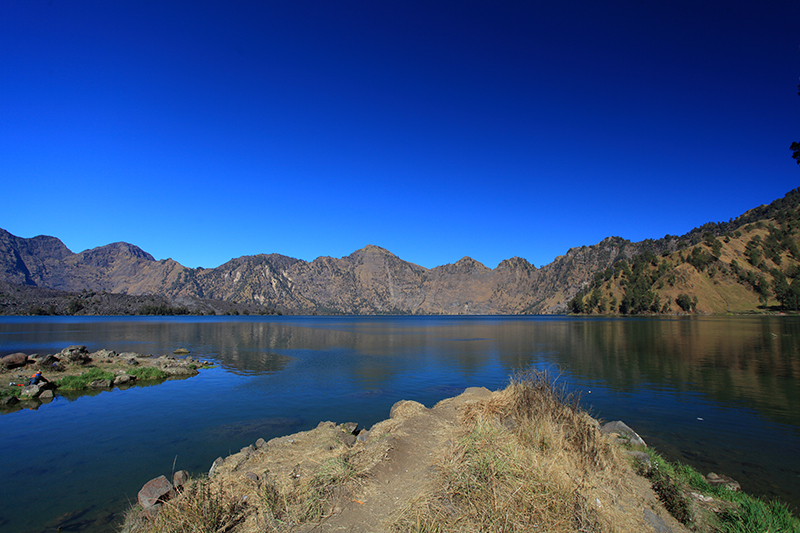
376	353
752	361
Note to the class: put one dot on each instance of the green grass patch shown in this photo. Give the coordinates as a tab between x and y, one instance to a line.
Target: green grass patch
744	514
12	391
82	381
147	373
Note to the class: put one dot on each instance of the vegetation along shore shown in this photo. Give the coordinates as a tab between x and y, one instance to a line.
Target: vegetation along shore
75	371
525	458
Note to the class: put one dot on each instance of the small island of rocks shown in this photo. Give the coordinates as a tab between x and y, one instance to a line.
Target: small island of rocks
29	380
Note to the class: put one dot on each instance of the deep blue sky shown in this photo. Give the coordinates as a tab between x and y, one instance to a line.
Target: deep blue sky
203	131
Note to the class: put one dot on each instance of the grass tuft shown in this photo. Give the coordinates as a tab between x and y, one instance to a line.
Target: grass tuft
309	500
737	512
204	506
11	391
82	381
147	373
520	465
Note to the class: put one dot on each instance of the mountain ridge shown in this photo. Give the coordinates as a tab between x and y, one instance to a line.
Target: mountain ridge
370	280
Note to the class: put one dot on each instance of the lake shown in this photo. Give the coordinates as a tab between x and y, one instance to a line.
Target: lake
719	393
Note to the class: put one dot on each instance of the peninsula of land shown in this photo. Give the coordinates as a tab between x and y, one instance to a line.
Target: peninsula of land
525	458
29	380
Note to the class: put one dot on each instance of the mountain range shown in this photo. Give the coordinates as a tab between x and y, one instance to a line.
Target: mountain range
371	280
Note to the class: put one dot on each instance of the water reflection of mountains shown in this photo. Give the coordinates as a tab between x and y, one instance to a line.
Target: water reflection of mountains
753	361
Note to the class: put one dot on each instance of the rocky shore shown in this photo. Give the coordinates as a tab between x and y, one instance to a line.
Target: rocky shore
397	476
74	369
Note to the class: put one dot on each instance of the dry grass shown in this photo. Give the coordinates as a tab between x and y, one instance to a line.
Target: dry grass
522	459
280	498
289	504
527	460
203	507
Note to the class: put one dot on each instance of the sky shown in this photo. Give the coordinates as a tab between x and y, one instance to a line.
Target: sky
202	131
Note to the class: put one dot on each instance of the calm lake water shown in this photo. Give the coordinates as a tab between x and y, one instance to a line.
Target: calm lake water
722	394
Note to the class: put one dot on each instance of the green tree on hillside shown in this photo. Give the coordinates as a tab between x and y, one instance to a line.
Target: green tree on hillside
684	302
788	294
576	304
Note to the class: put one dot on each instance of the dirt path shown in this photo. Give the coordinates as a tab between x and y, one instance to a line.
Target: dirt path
417	437
393	465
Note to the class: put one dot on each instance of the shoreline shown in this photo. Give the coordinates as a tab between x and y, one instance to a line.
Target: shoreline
341	477
75	371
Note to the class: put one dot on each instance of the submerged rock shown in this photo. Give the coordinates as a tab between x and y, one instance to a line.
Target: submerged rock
620	432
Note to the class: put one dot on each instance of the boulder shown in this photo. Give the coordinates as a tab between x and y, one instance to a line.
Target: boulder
8	400
217	462
261	444
46	395
76	354
47	361
15	360
100	384
30	391
180	478
406	409
642	460
725	481
247	451
350	427
656	522
349	439
103	354
622	434
154	492
123	379
179	370
181	351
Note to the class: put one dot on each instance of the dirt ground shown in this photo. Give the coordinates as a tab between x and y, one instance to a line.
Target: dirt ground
398	459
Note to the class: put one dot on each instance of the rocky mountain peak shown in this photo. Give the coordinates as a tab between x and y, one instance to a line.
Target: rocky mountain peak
373	250
468	262
516	263
110	254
